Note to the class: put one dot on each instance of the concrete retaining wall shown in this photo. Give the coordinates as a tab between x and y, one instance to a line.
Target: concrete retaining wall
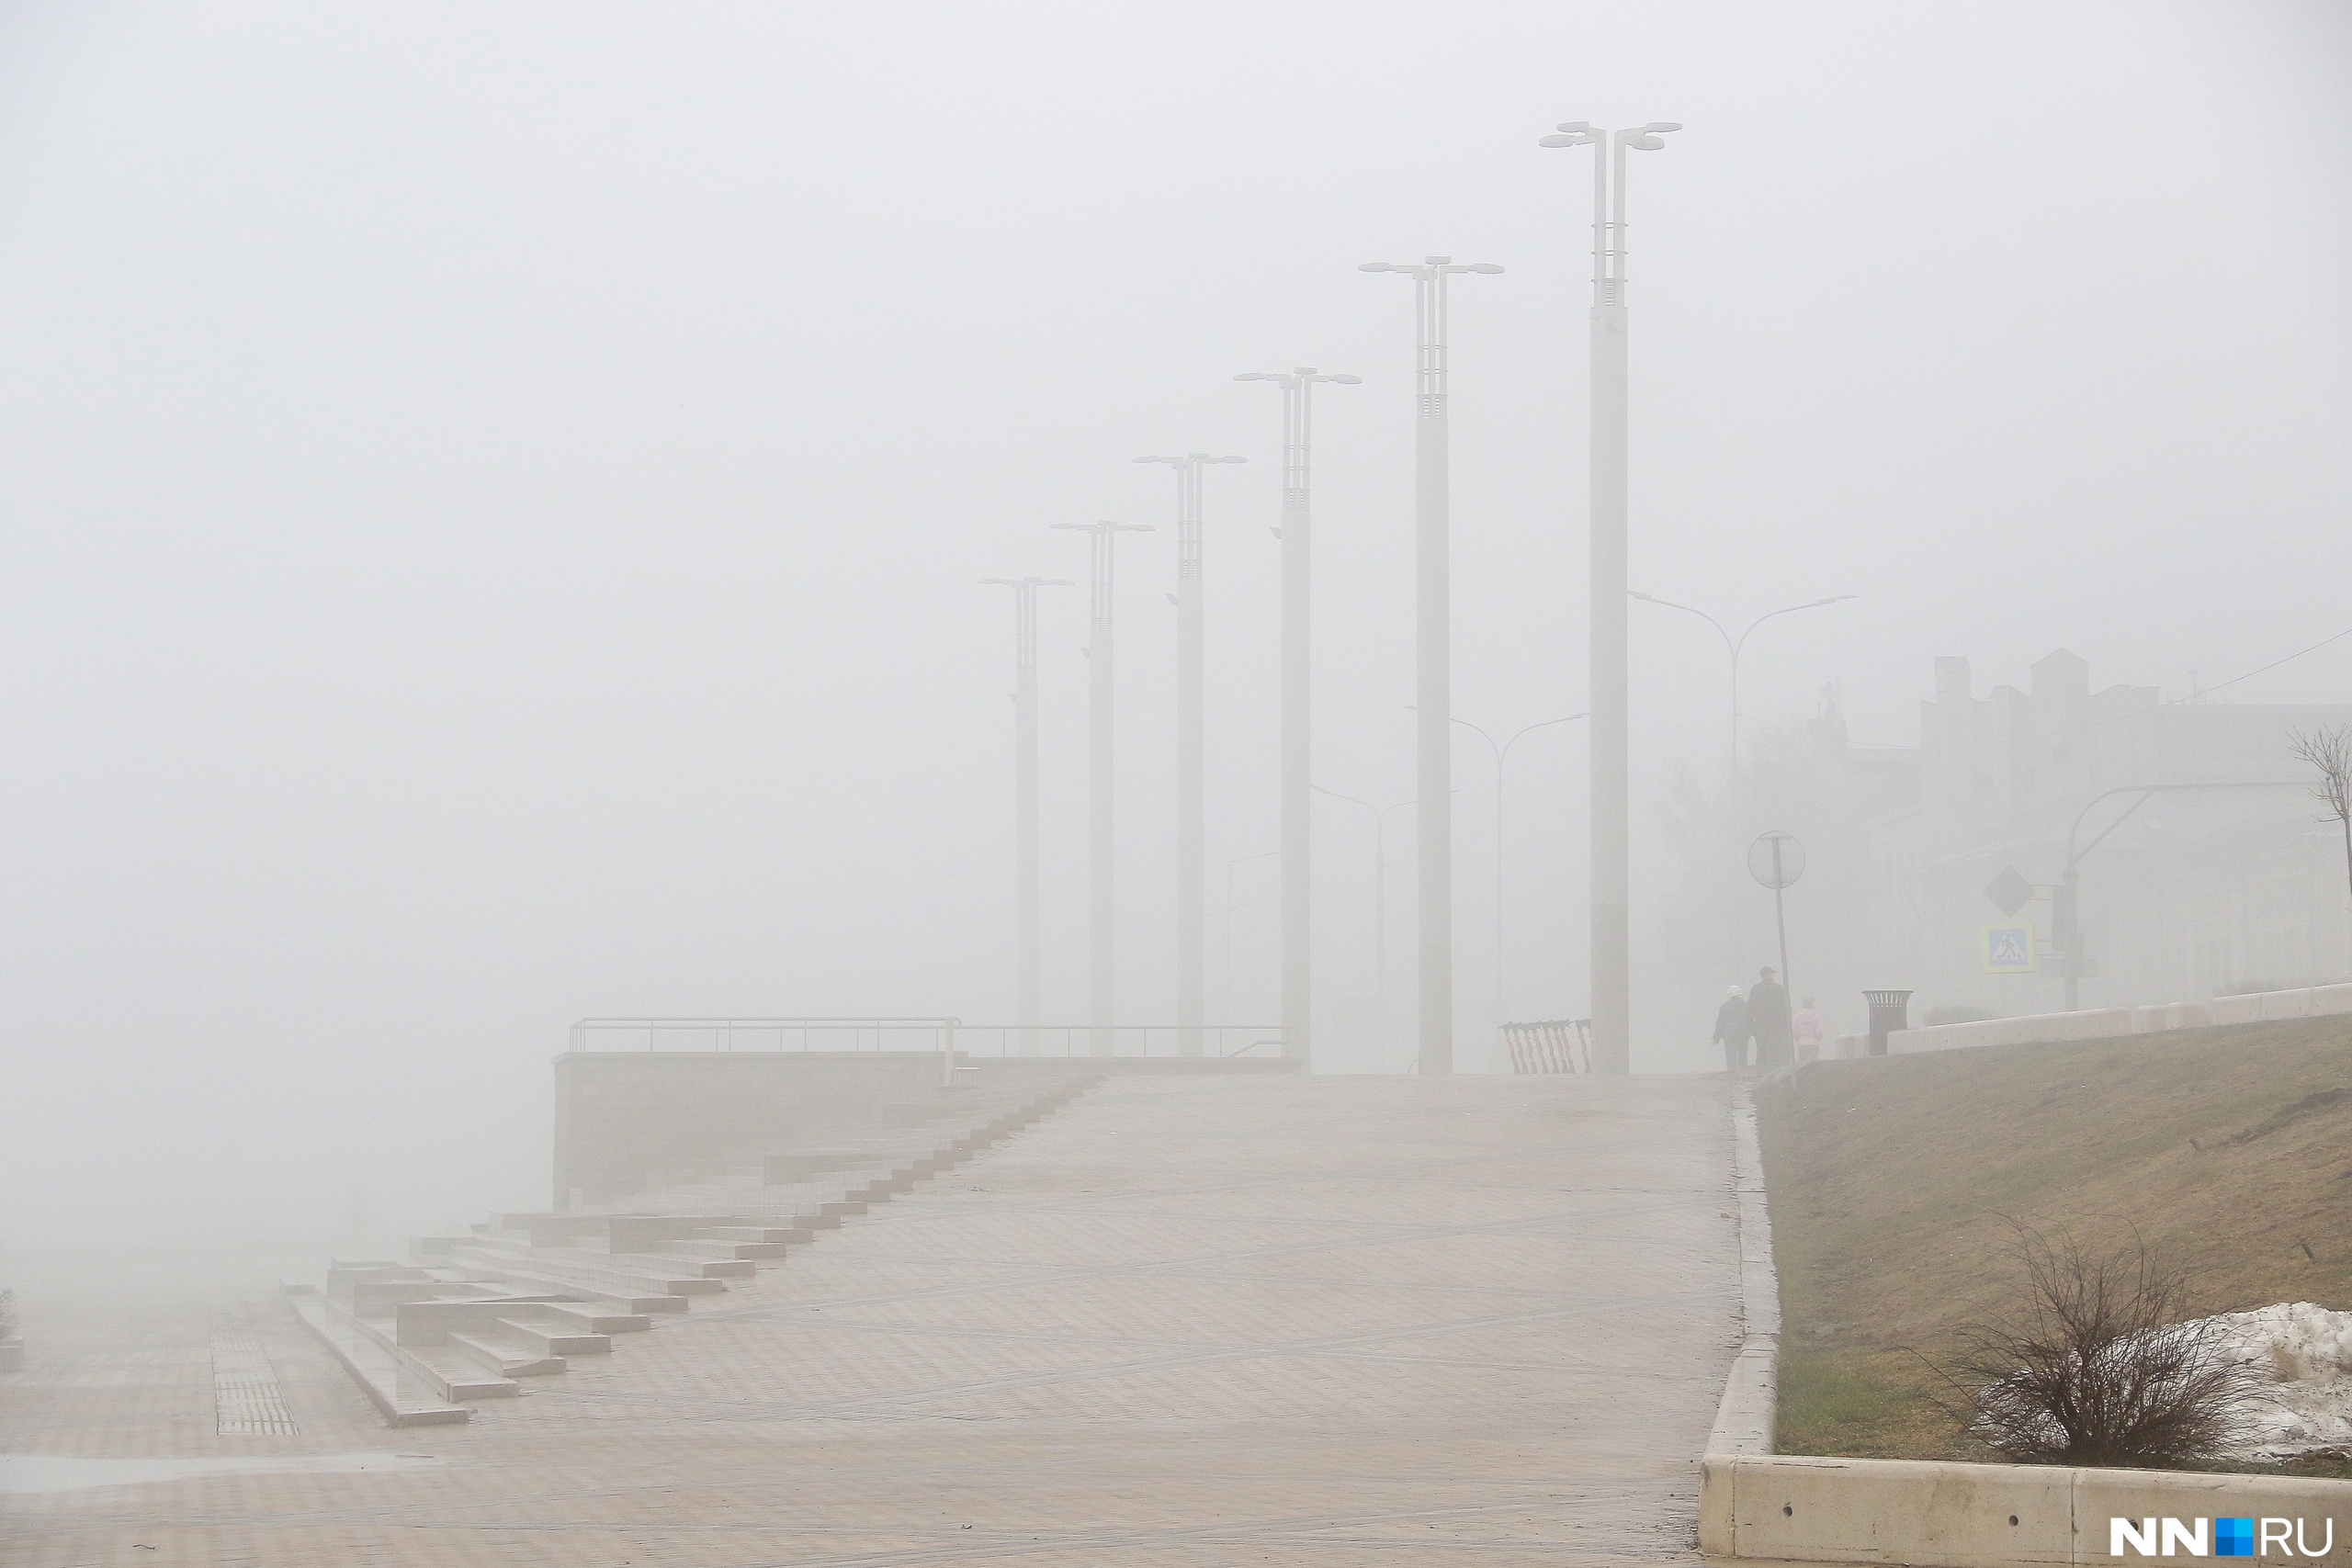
1983	1516
2102	1023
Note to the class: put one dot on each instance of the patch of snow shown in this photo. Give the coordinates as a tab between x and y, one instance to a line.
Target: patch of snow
2303	1353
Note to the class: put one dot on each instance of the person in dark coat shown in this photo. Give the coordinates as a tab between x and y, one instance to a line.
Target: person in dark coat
1731	1032
1767	1019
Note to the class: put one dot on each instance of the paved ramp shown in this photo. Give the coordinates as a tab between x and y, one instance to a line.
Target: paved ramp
1188	1320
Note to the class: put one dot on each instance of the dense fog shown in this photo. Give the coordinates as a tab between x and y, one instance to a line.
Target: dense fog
497	499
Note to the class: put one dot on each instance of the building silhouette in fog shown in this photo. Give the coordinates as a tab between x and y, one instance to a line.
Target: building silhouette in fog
2195	893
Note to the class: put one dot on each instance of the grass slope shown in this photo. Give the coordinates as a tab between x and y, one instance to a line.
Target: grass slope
1889	1180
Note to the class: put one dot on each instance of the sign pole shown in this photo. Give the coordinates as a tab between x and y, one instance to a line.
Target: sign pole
1781	919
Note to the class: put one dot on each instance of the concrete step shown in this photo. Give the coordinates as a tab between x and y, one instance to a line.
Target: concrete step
537	1326
782	1236
796	1170
553	1339
398	1395
638	1233
453	1376
667	1276
667	1260
576	1318
721	1268
521	1271
722	1249
447	1370
504	1354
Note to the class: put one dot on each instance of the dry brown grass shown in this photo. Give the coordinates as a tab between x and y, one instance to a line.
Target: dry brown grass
1894	1182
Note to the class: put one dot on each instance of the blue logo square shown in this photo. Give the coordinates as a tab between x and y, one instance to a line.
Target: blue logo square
2232	1538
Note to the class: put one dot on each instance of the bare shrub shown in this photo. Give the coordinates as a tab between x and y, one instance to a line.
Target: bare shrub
8	1315
2096	1364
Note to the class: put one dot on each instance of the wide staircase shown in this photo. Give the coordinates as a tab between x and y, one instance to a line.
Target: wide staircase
521	1294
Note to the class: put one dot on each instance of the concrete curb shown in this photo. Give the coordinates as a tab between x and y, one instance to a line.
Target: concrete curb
1747	1416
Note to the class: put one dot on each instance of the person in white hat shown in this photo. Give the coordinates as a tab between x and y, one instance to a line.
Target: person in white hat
1732	1032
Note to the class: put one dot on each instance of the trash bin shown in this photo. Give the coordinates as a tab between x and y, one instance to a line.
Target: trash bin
1889	1009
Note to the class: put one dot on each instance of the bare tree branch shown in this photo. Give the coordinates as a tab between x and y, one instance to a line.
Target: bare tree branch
2328	751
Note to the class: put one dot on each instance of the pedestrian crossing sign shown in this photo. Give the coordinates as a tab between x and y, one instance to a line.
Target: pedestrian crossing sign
2008	949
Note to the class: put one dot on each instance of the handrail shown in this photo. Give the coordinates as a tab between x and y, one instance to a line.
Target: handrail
873	1033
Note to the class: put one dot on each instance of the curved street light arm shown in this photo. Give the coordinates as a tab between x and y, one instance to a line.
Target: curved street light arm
1350	799
1479	730
2147	792
1787	610
1540	724
1688	609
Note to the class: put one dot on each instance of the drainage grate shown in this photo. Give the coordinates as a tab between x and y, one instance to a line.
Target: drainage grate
245	1399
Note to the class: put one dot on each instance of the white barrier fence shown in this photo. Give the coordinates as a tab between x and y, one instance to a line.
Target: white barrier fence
2106	1023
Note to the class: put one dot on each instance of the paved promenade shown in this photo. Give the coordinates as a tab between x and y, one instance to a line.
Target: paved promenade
1185	1323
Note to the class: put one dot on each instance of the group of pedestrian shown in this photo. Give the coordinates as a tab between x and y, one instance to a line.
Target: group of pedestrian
1761	1017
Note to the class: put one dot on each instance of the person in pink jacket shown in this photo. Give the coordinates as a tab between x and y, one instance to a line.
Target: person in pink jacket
1806	1023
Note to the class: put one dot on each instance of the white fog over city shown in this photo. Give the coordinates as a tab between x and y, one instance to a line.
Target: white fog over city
1132	784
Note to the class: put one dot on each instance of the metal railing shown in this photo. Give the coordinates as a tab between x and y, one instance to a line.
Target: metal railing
989	1039
1550	1047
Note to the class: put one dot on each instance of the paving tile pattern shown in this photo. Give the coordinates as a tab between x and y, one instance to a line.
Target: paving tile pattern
1182	1324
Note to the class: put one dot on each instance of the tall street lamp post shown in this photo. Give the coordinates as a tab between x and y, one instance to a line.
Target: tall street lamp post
1024	812
1379	894
1102	537
1190	863
1611	938
1433	676
1298	844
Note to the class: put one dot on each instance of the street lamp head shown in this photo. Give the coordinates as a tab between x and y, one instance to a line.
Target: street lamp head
1260	376
1836	599
1489	267
1158	459
1663	125
1633	593
1580	127
1228	460
1642	143
1343	380
1383	267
